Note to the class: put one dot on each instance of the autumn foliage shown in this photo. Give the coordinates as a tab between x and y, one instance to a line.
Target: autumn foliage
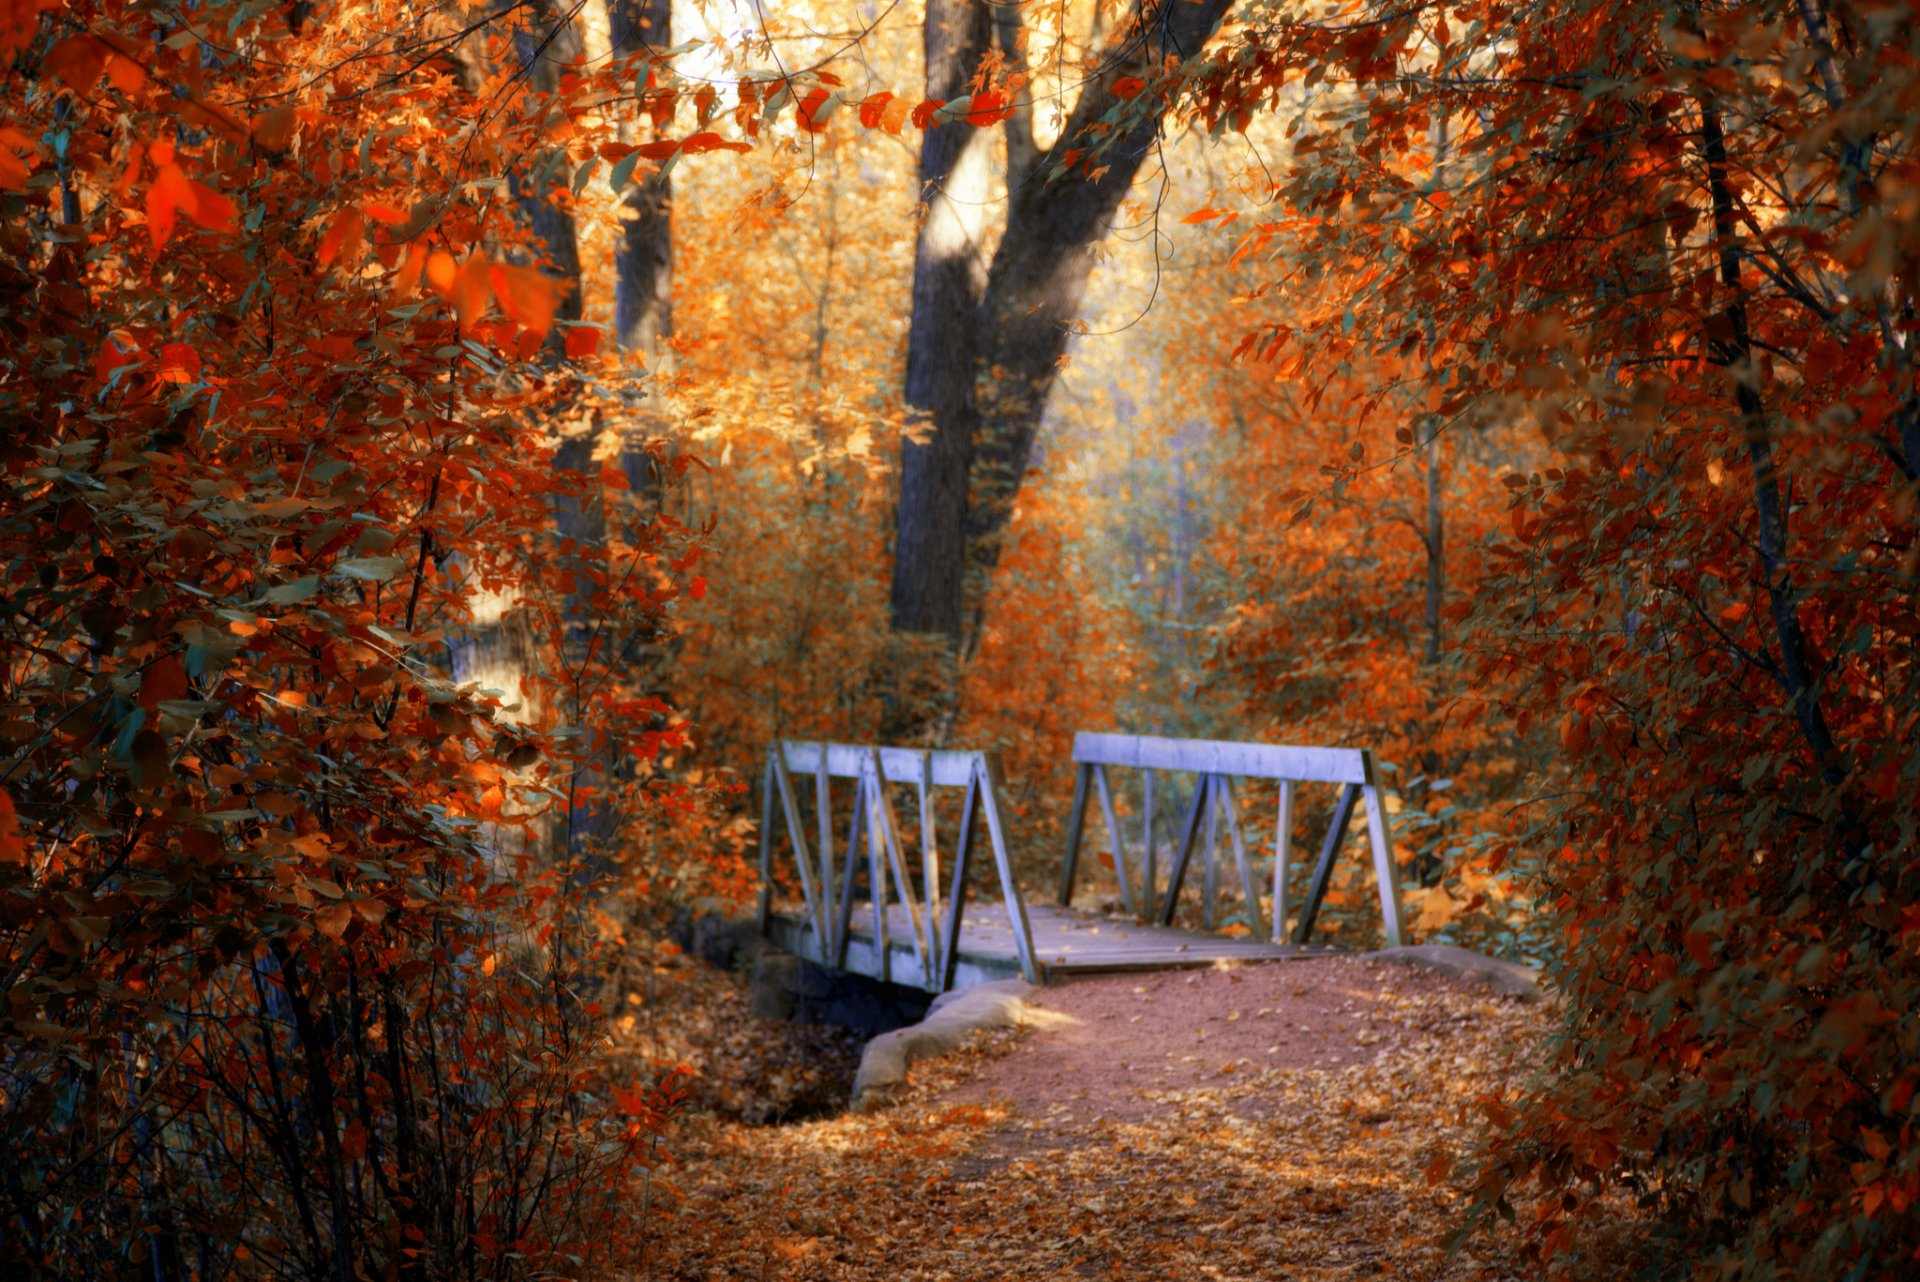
352	621
292	983
1677	240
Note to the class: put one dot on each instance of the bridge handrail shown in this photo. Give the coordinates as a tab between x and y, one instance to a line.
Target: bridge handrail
829	898
1218	763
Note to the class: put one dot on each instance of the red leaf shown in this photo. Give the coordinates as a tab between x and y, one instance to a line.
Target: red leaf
582	341
873	109
989	107
713	142
179	363
1128	87
923	114
811	118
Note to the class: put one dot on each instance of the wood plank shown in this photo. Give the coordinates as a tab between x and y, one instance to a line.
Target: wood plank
845	917
1386	871
986	770
1114	843
1076	820
1210	868
888	828
1208	756
1149	873
1188	831
929	863
823	801
1342	815
817	905
957	897
1248	887
1282	859
949	768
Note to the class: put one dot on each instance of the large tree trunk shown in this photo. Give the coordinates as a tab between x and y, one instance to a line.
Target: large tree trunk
957	489
643	257
930	561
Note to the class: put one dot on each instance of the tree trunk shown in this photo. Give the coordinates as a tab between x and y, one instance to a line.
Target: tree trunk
929	567
643	257
957	489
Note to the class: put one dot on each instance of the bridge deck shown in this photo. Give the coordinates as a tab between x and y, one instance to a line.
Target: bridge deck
1065	943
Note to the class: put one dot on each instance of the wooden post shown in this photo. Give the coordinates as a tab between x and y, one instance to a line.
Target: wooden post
818	906
1209	871
1188	831
1076	819
1248	887
988	768
929	863
1342	815
823	802
887	824
876	869
1149	874
1385	871
1114	843
1282	860
957	897
847	872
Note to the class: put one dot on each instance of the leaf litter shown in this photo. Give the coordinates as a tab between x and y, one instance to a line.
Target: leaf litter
1261	1122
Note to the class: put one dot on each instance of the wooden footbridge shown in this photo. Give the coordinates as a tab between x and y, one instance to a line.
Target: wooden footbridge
911	925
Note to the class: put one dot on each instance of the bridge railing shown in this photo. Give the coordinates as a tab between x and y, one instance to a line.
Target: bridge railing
827	884
1214	803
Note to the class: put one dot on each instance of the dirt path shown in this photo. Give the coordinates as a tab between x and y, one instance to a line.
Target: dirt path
1258	1123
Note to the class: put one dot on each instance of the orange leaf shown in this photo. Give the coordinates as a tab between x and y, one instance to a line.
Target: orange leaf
381	212
77	60
170	193
470	291
210	209
660	106
527	295
873	110
658	150
441	270
333	919
14	147
342	240
12	849
407	279
273	128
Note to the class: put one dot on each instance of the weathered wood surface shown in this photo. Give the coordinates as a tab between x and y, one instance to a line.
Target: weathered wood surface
1217	763
1065	943
1220	757
831	893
